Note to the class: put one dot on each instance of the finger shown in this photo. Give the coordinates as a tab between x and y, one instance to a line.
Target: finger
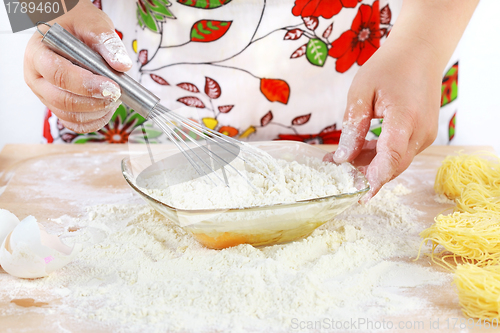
374	189
104	40
392	149
355	126
415	147
67	101
83	117
90	126
368	152
61	73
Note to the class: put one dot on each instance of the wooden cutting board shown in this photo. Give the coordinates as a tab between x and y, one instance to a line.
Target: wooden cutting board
49	181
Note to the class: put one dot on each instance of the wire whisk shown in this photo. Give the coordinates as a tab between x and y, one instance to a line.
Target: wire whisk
219	150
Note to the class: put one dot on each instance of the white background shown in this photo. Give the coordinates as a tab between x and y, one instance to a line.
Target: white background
478	120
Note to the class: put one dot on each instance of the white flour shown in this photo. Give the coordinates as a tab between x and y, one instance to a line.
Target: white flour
293	181
139	272
441	198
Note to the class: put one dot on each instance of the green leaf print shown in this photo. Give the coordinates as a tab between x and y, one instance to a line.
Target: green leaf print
377	128
449	87
121	112
377	131
316	52
152	12
82	140
136	117
451	127
204	4
151	132
205	31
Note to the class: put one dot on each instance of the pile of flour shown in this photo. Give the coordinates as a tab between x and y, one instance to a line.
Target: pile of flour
139	272
293	181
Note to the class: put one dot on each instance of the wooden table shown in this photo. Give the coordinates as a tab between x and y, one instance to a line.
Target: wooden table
49	181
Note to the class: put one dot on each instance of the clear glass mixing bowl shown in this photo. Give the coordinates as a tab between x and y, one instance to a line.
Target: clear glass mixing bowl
258	226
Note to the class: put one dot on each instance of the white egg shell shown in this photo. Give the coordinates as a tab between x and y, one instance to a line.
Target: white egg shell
30	252
8	222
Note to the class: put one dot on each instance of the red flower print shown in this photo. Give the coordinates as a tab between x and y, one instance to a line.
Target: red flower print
359	43
324	8
115	135
228	130
46	127
118	130
329	135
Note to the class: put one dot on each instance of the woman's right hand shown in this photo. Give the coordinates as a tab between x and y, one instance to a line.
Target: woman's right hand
84	102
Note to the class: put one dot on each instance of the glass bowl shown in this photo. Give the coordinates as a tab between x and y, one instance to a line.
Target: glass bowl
258	226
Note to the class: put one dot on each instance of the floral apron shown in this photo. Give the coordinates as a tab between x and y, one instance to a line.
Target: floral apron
251	69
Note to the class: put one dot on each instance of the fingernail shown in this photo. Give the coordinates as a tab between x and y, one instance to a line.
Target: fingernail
374	183
364	200
328	157
340	155
363	169
109	90
116	48
112	106
122	57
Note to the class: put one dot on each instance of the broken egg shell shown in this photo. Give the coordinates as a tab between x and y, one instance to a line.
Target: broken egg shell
30	252
8	222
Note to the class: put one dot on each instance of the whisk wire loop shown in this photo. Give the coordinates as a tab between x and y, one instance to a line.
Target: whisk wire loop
202	132
177	140
161	119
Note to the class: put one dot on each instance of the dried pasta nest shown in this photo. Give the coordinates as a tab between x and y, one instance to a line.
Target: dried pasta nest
457	172
479	290
470	235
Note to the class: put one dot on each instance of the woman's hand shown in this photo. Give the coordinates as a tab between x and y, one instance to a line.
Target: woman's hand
403	89
84	102
401	83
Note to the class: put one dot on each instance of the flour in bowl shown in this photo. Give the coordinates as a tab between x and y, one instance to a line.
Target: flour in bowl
293	181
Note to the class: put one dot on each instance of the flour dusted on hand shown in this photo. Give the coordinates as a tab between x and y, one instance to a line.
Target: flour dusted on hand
293	181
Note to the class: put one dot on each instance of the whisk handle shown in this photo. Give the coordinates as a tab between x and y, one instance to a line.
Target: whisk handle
133	93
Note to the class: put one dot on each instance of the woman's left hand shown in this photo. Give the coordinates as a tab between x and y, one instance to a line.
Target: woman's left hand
399	84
